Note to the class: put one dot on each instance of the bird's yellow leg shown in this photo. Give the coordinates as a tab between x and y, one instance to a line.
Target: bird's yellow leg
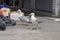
34	26
31	26
37	26
21	22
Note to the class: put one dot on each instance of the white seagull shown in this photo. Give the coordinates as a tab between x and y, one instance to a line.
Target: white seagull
22	17
34	21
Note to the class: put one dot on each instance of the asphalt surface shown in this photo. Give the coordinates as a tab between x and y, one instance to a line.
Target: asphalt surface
49	30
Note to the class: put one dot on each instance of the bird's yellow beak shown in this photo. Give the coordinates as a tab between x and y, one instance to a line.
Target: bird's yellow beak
29	14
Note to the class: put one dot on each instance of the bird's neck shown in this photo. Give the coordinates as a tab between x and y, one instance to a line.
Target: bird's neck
22	14
33	16
19	12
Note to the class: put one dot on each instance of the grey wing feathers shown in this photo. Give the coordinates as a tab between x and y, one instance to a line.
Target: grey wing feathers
23	18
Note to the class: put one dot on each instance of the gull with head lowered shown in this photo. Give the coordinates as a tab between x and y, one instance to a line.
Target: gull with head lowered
22	17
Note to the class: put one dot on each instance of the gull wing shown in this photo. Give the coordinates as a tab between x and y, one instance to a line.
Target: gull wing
23	18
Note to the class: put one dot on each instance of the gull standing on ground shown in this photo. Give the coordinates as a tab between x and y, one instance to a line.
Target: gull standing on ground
34	21
22	17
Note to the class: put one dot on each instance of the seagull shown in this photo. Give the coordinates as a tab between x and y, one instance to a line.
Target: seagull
34	21
22	17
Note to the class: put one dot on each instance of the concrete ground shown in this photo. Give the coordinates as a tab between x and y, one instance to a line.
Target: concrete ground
49	30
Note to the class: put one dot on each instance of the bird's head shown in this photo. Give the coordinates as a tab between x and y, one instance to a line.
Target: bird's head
19	11
32	14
